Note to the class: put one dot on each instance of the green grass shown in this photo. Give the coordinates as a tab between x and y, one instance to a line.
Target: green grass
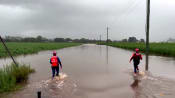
164	49
12	76
28	48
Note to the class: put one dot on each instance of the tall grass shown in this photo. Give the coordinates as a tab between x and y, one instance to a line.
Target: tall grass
11	76
165	49
28	48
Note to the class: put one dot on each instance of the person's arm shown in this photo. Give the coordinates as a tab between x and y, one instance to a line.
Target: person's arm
59	62
140	56
131	57
50	61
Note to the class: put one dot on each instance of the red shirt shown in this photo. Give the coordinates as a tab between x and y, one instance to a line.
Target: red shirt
54	61
136	56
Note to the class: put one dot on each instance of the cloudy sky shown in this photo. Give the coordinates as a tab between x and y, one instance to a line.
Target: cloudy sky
87	18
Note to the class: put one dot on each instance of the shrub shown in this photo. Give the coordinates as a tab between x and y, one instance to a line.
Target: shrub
11	76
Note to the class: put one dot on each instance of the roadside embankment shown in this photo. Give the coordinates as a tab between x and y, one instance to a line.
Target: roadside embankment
12	77
164	49
18	48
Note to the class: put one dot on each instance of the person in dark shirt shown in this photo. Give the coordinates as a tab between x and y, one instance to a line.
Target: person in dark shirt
55	62
136	57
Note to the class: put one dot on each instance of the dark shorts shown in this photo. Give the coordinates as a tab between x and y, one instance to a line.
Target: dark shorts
136	66
55	69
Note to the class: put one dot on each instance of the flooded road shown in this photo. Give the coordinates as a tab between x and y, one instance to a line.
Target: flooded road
97	71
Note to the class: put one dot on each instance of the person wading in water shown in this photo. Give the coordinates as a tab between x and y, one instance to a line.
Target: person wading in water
136	57
55	62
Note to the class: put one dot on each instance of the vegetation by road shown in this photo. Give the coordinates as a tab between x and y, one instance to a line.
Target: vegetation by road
12	76
164	49
18	48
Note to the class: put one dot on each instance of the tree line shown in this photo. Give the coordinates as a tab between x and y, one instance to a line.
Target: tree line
81	40
132	39
43	39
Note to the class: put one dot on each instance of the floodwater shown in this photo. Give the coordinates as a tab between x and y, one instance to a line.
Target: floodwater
92	71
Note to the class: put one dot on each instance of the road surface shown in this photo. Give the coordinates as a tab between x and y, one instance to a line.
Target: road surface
95	71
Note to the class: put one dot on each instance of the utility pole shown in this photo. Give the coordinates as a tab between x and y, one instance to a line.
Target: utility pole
107	35
100	39
8	51
147	34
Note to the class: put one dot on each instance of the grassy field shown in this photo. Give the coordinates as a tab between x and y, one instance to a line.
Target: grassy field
28	48
12	76
164	49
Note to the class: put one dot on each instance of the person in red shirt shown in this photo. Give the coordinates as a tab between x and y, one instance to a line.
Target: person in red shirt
55	62
136	57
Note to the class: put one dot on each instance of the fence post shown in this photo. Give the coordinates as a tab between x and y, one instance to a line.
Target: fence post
39	94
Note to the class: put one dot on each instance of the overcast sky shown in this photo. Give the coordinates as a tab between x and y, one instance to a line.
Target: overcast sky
87	18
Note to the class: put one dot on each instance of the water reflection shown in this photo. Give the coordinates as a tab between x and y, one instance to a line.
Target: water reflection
100	50
107	55
135	86
107	59
147	62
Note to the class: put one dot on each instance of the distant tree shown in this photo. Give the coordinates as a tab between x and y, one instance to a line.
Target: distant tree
142	40
116	41
59	40
124	40
83	40
68	39
76	40
12	39
39	38
132	39
109	40
7	38
50	40
171	40
29	39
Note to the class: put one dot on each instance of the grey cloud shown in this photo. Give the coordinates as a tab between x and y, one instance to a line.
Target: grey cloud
87	18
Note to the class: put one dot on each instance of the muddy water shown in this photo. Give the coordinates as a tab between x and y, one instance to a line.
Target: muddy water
97	71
